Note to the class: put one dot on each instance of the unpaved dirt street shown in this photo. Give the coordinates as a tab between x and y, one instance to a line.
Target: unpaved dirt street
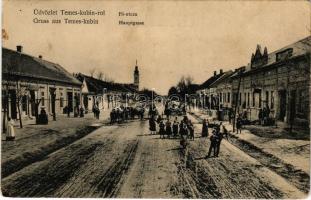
125	161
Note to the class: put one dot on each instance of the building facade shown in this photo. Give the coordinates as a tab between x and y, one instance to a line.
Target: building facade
30	84
279	81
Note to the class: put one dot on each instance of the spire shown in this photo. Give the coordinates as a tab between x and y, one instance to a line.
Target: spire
136	62
258	53
265	52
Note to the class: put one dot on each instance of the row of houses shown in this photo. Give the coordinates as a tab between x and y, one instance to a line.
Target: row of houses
278	81
31	83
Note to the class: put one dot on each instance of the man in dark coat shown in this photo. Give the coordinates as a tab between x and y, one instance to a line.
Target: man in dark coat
212	147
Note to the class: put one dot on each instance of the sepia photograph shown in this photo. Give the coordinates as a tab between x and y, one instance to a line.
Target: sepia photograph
170	99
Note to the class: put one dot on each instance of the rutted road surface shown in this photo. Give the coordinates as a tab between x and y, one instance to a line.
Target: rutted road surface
125	161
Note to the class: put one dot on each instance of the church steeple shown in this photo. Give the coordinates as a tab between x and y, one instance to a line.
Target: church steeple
136	76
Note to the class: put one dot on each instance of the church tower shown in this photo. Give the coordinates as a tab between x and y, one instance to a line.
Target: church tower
136	76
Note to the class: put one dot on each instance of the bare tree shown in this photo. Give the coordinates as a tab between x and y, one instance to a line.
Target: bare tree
92	71
100	75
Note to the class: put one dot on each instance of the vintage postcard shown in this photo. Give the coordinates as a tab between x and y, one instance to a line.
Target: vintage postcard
155	99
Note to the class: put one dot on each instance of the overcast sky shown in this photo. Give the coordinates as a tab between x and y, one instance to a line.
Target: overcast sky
178	38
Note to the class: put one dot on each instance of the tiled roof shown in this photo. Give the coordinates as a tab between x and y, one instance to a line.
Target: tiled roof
20	64
96	86
209	81
224	76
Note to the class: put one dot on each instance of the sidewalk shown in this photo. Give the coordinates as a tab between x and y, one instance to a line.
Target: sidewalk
33	142
295	152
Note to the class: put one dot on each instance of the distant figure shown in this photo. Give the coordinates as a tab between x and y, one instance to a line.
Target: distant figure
239	125
191	130
168	128
205	128
260	116
223	131
81	111
161	129
213	144
10	130
152	125
175	127
76	111
43	117
96	112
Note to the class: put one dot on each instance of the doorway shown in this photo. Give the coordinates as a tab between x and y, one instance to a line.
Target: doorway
282	104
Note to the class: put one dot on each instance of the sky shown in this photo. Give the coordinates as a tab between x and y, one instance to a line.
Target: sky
178	38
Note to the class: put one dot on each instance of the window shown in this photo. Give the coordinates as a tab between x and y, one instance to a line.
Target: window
220	97
284	54
248	99
254	99
228	97
42	98
61	100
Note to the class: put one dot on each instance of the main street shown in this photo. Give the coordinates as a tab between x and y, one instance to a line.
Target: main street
125	161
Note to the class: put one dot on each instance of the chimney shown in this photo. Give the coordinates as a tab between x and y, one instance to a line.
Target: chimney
40	56
19	48
215	73
221	71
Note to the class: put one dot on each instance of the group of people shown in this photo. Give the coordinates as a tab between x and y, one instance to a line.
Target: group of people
185	130
120	114
218	133
182	129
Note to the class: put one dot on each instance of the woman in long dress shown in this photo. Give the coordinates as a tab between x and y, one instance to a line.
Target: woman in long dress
152	125
10	130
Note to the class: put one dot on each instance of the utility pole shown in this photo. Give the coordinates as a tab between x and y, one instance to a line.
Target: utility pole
237	97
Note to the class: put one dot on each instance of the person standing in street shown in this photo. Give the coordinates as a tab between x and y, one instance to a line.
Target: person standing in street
205	128
175	127
168	128
239	125
161	129
191	130
10	130
152	125
213	144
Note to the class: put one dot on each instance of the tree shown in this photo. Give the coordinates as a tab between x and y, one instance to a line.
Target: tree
100	75
92	71
173	90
